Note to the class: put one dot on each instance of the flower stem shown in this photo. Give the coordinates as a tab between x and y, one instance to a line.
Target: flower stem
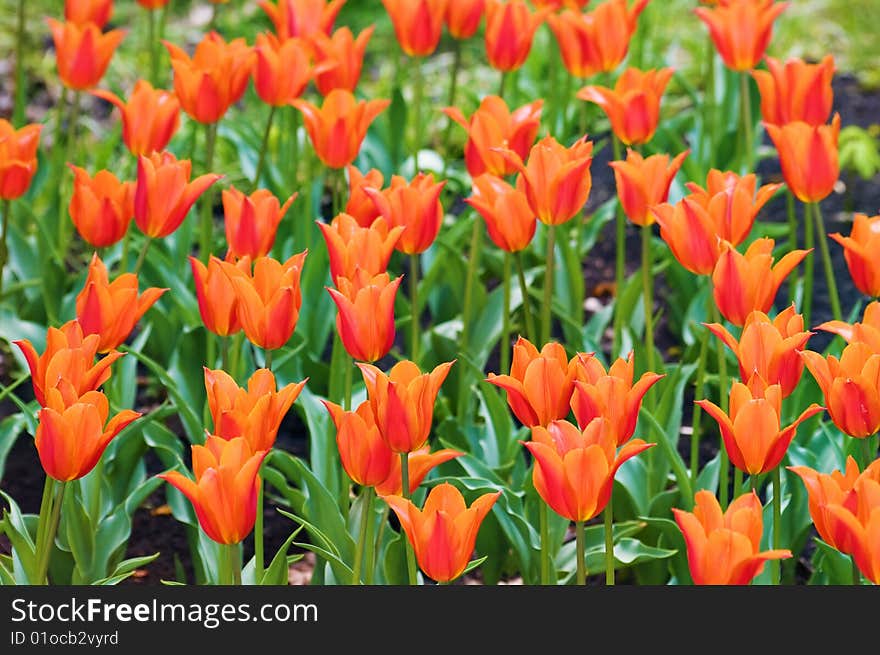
414	301
502	84
412	573
418	93
346	393
869	451
264	146
473	264
267	359
826	262
648	297
70	154
792	242
747	162
44	549
20	101
151	45
450	101
709	113
620	263
258	538
207	223
698	411
609	544
234	562
776	567
723	473
366	520
526	303
294	152
4	231
737	481
545	545
142	255
809	267
547	308
581	545
505	317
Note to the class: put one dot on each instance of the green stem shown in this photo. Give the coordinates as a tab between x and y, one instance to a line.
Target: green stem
698	411
337	181
724	470
648	296
737	481
526	302
264	147
366	520
792	241
502	84
753	483
412	573
346	394
370	554
235	358
450	101
294	152
337	381
776	568
809	268
95	505
234	563
620	263
856	572
709	114
18	111
70	154
267	359
869	451
505	317
224	576
609	543
142	256
417	127
45	552
830	280
43	520
414	301
473	263
581	548
747	162
545	545
4	231
126	246
224	353
259	566
207	219
547	307
151	45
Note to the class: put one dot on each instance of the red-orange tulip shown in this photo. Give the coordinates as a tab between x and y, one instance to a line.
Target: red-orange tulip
493	126
851	386
251	221
644	182
111	309
365	457
867	331
596	42
540	384
149	118
224	493
338	127
18	158
510	30
365	320
153	4
352	247
403	402
509	218
414	206
745	283
417	24
101	207
88	11
340	58
282	69
360	206
218	304
82	52
741	30
633	105
574	470
463	17
796	91
301	17
164	194
809	158
859	530
860	250
214	78
72	436
443	534
419	463
611	395
724	548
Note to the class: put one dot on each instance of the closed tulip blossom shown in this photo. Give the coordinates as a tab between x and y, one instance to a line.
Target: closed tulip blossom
227	483
251	221
724	547
463	17
510	220
88	11
860	530
340	58
741	29
360	205
365	316
510	30
860	251
796	91
414	206
352	247
444	532
18	158
101	207
365	456
866	331
218	304
643	182
417	24
150	117
540	384
82	52
809	157
302	18
282	69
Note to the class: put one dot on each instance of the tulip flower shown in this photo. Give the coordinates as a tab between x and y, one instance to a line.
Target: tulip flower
164	194
365	457
111	309
214	78
340	58
809	157
724	548
510	30
574	470
493	126
269	299
360	206
338	127
82	52
403	402
254	413
224	493
510	220
744	283
867	331
442	534
81	12
851	387
72	436
152	4
101	207
860	251
417	24
413	205
540	384
753	437
282	69
251	221
644	182
741	30
149	118
463	17
218	304
596	42
769	348
419	463
352	247
301	17
365	320
796	91
633	105
860	530
18	158
611	395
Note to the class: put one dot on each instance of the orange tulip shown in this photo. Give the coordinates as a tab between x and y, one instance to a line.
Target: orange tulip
149	118
574	470
365	457
611	395
510	30
741	30
153	4
419	463
251	221
752	434
365	320
101	207
72	436
214	78
744	283
633	105
644	182
18	158
851	386
67	361
111	309
691	234
867	331
301	17
163	195
338	127
282	69
769	348
860	251
796	91
560	4
360	206
493	126
809	157
218	304
417	24
254	413
352	247
224	493
443	534
540	384
414	206
463	17
82	52
403	402
81	12
596	42
269	300
724	548
340	58
859	530
509	218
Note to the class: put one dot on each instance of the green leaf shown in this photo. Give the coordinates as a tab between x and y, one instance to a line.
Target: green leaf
16	529
125	569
